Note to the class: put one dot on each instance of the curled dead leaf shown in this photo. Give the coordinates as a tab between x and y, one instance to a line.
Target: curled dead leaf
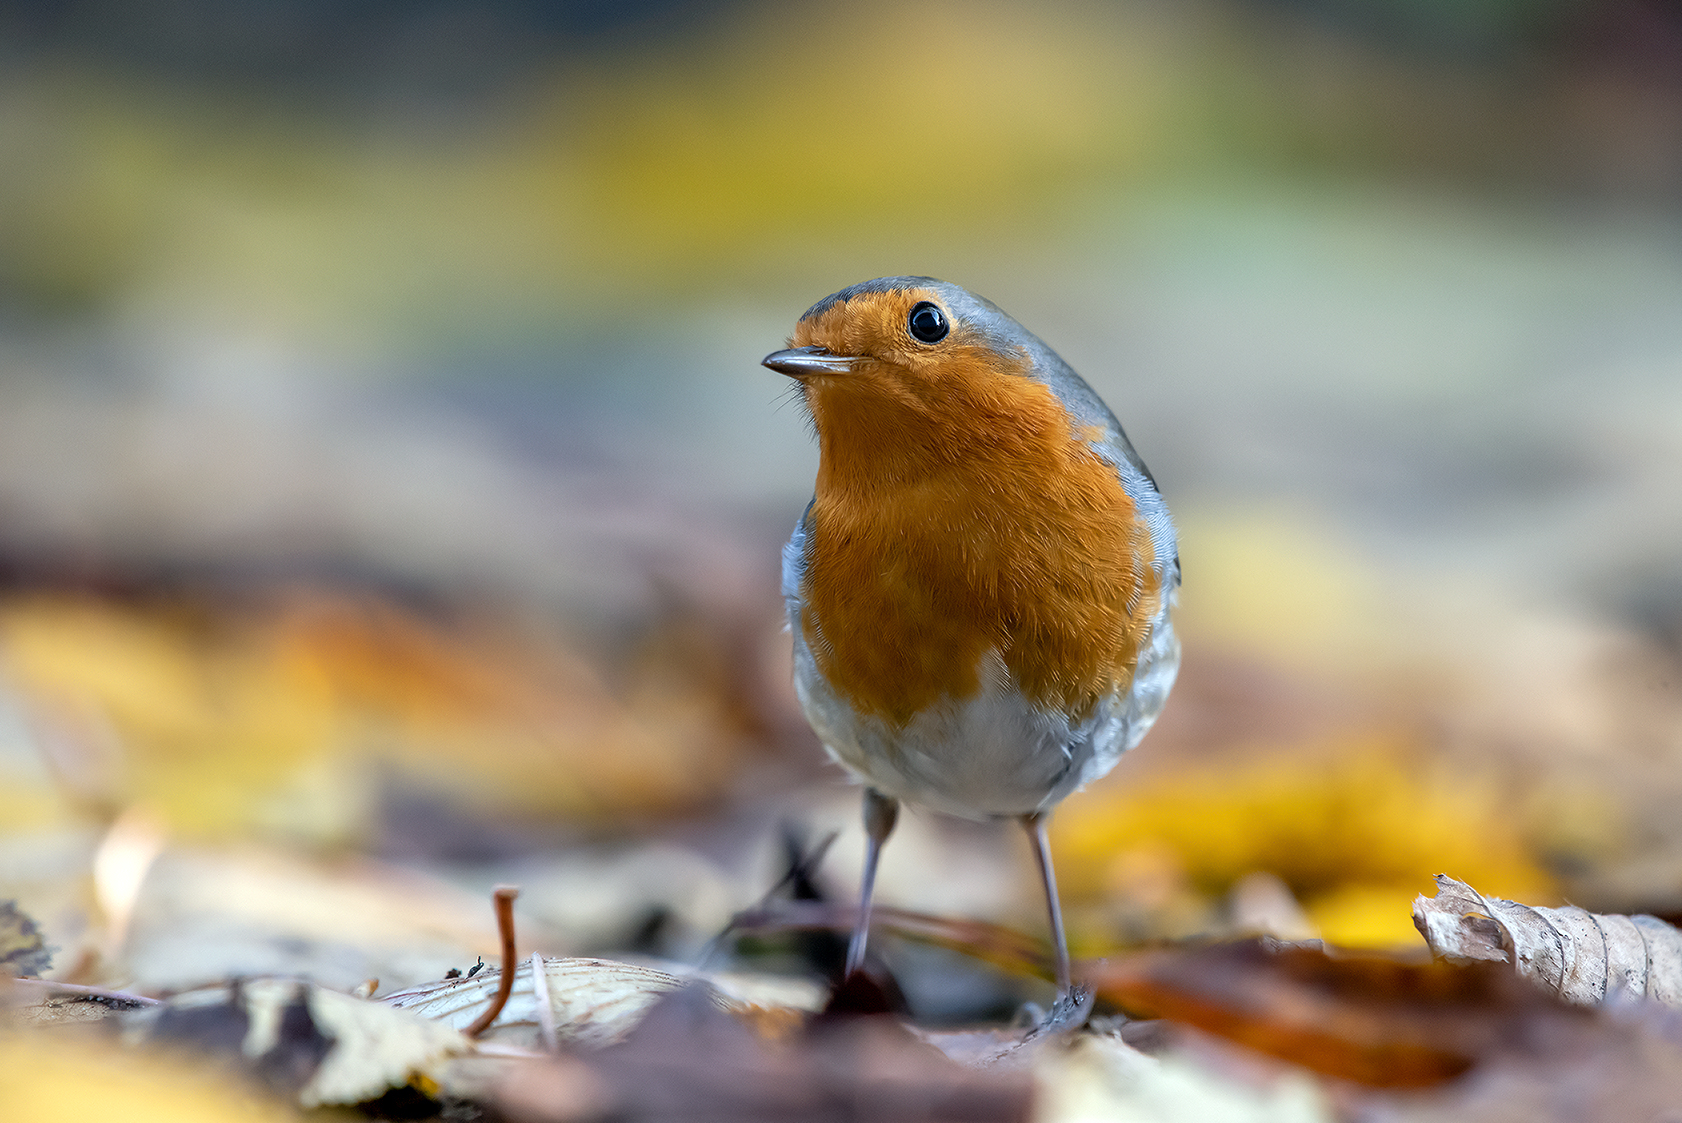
327	1047
1583	957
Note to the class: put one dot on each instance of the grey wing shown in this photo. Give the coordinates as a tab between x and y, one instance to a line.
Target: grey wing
1140	486
1087	409
794	564
1136	479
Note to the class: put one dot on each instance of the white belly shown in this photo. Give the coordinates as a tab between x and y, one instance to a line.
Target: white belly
994	753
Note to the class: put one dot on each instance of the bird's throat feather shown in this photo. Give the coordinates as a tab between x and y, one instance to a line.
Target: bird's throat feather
978	522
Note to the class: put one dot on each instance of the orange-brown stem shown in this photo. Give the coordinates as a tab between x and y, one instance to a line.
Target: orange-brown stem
503	899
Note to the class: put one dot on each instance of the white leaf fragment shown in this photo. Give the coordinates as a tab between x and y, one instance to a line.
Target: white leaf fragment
592	1002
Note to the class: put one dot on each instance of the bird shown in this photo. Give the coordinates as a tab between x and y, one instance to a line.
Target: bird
981	589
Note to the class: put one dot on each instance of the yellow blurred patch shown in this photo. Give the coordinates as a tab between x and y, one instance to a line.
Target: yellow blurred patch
29	808
63	1078
1355	827
899	130
1366	916
1279	585
295	716
164	707
808	121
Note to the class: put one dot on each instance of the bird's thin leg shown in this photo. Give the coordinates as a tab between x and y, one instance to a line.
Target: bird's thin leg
880	814
1036	827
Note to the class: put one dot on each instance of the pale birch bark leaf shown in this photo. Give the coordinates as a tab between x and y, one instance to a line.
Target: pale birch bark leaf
593	1002
1583	957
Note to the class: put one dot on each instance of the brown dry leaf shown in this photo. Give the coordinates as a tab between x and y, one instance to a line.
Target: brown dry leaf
22	950
1619	1066
689	1060
1581	956
1367	1018
323	1046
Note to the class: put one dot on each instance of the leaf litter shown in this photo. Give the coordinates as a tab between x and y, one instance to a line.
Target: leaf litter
1221	1030
23	950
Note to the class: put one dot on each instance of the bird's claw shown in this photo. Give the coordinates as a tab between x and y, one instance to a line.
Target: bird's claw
1067	1014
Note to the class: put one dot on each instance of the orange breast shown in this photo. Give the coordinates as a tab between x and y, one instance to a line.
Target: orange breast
979	524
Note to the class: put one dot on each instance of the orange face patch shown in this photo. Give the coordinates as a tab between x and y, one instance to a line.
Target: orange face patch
869	324
956	512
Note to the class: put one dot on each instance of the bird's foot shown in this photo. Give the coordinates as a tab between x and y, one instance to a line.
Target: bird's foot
1067	1014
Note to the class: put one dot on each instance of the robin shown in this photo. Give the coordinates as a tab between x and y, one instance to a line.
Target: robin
981	589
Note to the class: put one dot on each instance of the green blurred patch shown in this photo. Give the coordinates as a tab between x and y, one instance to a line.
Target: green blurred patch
665	170
778	144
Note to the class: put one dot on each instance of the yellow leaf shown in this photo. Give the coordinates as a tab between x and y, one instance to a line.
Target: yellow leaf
58	1078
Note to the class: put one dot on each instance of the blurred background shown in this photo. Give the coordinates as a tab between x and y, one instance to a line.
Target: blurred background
390	495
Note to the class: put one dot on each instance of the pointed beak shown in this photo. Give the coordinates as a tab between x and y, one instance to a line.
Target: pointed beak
797	362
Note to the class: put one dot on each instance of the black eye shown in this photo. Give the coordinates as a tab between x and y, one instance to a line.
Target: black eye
928	322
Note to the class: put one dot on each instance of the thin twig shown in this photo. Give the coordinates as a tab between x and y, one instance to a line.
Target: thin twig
1014	952
545	1012
503	898
803	865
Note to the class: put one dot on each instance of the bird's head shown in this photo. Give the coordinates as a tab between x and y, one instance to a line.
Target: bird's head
902	374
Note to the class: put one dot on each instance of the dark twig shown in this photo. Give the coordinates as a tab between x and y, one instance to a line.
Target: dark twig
1012	951
503	897
802	867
